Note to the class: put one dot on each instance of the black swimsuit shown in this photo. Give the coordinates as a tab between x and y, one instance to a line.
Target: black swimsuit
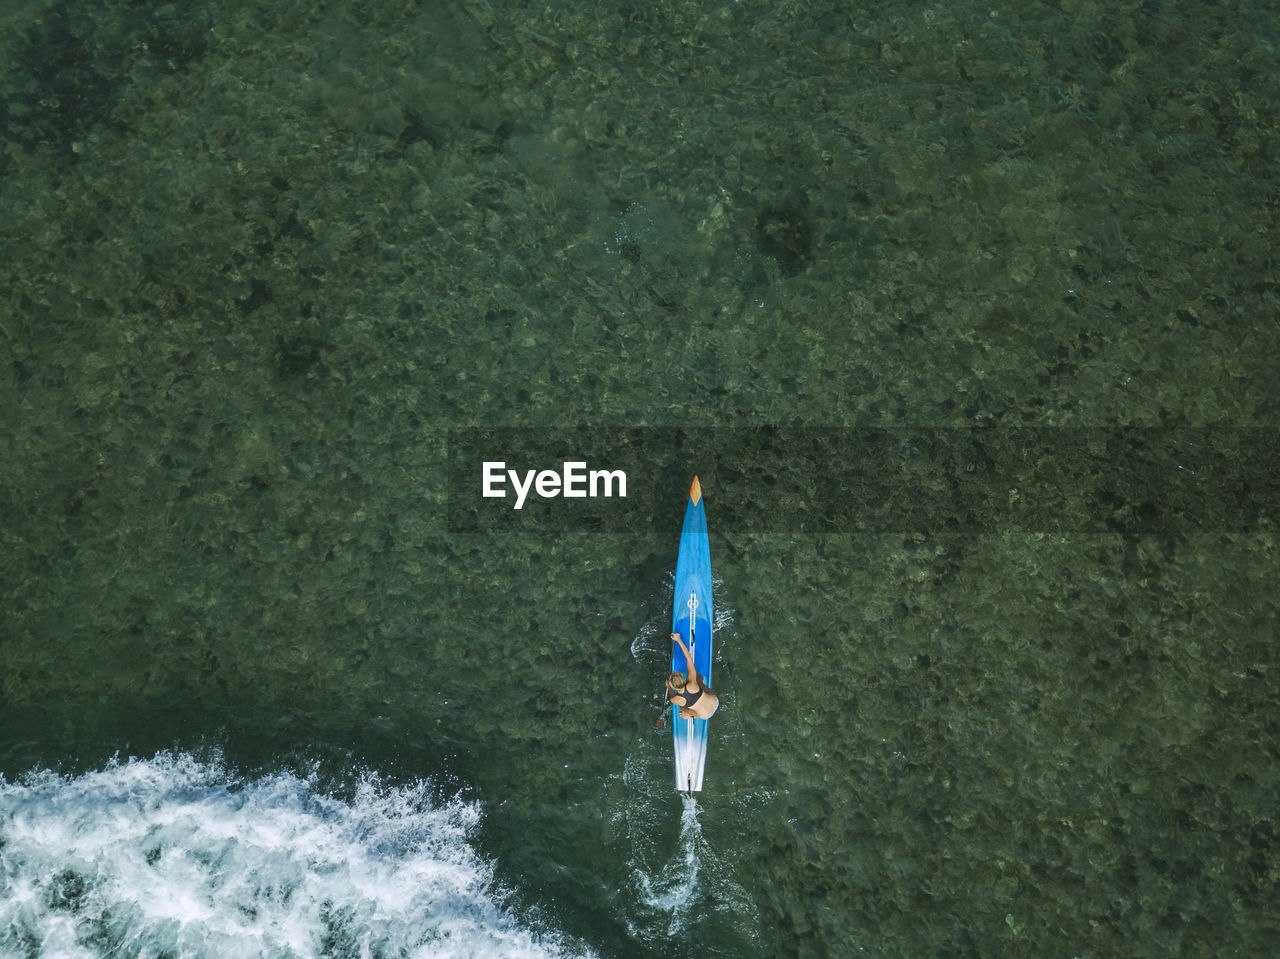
689	698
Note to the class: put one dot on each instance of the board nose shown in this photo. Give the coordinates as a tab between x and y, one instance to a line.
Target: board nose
695	491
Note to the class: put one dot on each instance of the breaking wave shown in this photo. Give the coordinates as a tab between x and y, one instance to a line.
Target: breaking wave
173	856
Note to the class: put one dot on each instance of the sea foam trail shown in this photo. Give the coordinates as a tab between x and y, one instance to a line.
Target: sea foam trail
172	857
673	892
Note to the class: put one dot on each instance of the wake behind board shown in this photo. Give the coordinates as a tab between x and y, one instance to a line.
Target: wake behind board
691	618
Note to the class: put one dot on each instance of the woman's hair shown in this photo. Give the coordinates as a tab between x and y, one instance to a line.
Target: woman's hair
676	680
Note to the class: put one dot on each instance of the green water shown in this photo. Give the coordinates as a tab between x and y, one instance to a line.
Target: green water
263	261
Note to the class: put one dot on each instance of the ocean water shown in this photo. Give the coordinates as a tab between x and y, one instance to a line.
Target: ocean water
964	315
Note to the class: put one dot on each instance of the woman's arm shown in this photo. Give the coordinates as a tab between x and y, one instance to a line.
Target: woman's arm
692	672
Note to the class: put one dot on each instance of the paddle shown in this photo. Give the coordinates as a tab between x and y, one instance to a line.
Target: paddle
661	722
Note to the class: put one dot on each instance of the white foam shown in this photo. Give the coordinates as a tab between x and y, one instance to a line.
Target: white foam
172	856
723	617
644	641
673	891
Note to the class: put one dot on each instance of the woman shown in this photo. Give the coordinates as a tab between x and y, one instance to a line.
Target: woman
694	697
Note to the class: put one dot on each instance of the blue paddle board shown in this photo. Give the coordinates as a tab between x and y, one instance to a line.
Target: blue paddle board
691	618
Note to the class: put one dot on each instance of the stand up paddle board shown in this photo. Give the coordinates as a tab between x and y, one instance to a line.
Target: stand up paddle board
691	618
